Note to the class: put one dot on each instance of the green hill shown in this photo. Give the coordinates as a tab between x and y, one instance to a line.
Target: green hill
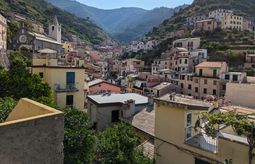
229	46
43	12
244	8
125	24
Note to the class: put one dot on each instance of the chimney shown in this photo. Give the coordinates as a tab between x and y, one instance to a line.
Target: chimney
129	108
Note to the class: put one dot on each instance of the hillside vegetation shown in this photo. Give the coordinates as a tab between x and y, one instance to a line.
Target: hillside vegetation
229	46
244	8
125	24
43	12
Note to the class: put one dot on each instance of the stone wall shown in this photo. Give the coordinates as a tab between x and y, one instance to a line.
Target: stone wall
36	141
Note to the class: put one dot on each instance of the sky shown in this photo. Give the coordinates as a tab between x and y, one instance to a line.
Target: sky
145	4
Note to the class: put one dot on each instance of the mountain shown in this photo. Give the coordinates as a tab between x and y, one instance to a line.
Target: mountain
125	24
43	12
244	8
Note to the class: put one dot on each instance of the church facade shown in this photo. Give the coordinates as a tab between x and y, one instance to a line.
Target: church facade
34	42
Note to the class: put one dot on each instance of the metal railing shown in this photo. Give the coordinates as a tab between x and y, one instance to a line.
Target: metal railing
203	141
66	88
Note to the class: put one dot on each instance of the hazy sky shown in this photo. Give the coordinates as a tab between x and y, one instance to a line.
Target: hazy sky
146	4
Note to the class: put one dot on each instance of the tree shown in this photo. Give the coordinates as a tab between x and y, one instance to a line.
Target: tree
18	82
6	106
78	138
240	123
118	144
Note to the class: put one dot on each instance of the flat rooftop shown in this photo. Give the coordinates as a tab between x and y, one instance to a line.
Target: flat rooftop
162	85
184	100
118	98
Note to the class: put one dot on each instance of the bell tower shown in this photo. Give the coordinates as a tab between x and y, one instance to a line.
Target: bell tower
55	30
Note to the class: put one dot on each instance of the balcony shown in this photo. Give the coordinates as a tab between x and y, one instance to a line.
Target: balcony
66	88
204	142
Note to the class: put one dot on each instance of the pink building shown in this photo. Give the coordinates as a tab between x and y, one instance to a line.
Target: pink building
99	86
206	25
178	33
248	25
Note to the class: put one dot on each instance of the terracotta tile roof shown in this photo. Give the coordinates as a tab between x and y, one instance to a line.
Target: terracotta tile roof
211	64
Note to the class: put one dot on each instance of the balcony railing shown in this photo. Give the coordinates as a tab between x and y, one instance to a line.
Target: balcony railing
66	88
204	142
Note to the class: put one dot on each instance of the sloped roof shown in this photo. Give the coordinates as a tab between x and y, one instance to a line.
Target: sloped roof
43	38
94	82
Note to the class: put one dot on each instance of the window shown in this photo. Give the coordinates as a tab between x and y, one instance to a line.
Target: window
235	77
188	126
189	87
205	91
214	92
181	85
186	61
196	89
69	100
70	78
199	161
224	87
200	72
52	28
205	81
214	73
196	81
226	77
41	74
115	116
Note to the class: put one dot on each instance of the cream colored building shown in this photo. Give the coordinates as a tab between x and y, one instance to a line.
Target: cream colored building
66	82
133	65
232	22
177	142
3	34
32	133
219	14
188	43
205	81
160	64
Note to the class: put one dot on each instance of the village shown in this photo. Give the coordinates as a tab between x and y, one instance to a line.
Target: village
159	99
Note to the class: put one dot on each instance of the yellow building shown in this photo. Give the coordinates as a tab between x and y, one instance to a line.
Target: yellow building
3	34
176	141
32	133
232	22
67	47
133	65
67	82
205	81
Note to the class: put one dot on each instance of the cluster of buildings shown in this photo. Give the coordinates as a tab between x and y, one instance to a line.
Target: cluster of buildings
220	19
162	104
136	46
